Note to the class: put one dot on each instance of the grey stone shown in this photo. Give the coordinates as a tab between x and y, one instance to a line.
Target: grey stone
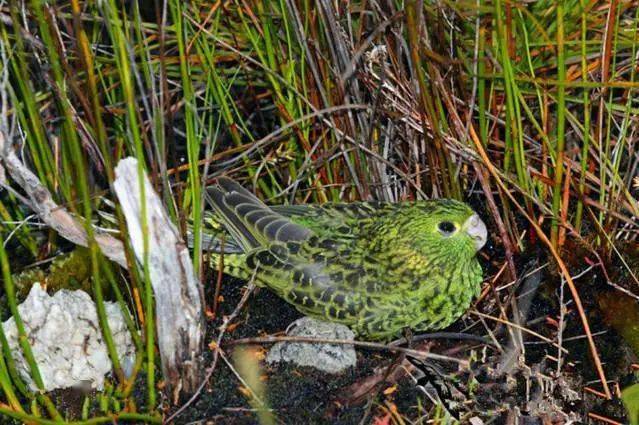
330	358
66	340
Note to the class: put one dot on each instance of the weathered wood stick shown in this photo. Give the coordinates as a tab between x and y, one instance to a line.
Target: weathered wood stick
180	321
53	215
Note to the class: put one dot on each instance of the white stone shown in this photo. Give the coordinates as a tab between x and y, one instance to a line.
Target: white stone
331	358
66	339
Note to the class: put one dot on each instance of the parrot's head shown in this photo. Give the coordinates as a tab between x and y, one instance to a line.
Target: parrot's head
448	226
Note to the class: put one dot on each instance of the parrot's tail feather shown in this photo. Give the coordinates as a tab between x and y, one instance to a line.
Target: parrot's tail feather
216	244
249	221
231	187
241	234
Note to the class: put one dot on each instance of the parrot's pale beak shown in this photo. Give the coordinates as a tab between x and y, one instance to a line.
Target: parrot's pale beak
476	229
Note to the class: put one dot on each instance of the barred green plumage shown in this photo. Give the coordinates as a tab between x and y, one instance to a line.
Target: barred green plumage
376	267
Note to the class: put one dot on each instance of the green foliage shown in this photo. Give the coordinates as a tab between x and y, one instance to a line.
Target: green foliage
630	397
309	102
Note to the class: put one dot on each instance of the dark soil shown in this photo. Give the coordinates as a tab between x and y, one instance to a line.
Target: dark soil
531	390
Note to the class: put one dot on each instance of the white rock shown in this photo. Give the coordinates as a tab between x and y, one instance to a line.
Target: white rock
331	358
66	339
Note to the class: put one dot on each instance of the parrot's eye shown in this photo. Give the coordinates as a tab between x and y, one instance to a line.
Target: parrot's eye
446	228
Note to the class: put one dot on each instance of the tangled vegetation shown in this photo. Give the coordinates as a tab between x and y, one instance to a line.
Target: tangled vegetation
527	110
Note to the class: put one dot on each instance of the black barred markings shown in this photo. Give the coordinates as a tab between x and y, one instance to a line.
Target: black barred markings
280	251
327	295
377	267
344	230
335	313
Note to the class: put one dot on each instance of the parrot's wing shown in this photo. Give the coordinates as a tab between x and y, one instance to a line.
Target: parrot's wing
340	220
251	223
333	211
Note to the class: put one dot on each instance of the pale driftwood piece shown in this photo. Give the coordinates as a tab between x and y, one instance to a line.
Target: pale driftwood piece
177	298
55	216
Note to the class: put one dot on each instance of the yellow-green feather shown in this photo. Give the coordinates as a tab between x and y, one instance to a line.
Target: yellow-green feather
376	267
